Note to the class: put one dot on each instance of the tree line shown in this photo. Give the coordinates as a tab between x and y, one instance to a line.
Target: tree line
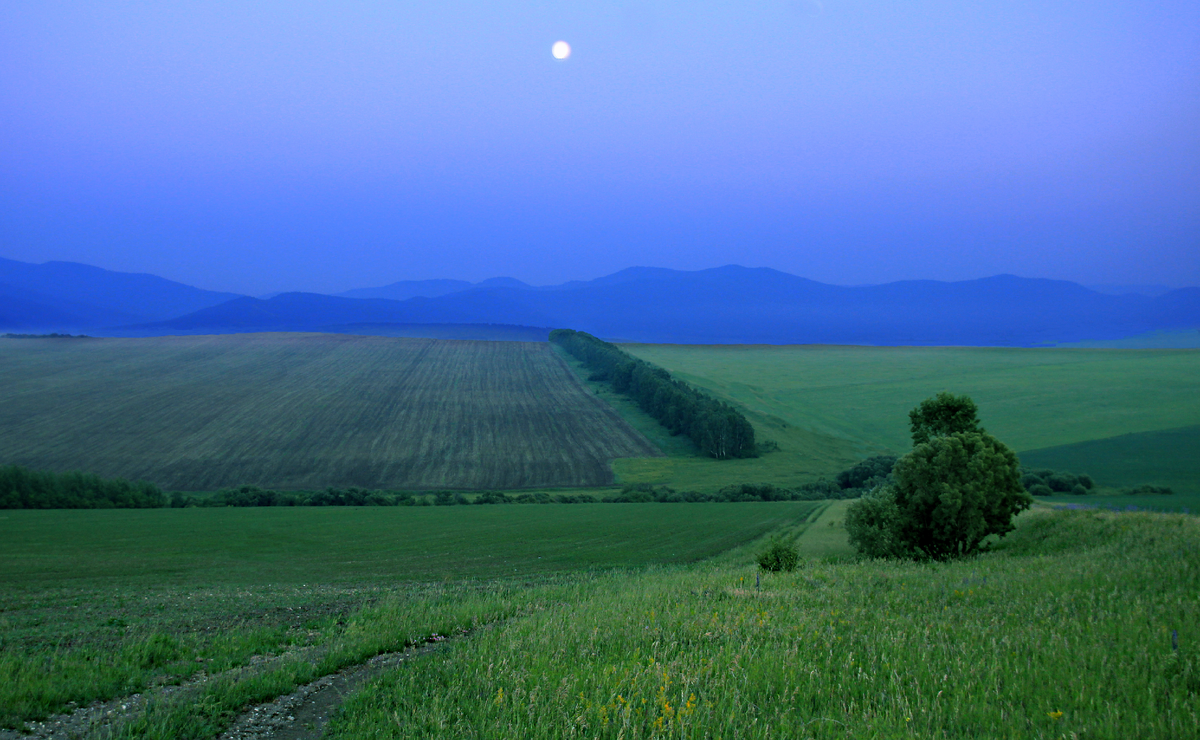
717	428
22	488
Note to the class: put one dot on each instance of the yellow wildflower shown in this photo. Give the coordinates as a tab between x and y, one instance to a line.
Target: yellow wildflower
1054	715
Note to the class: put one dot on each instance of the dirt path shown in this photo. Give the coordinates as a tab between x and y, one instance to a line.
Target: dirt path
303	714
300	715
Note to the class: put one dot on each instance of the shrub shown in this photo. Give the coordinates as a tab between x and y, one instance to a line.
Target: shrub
1086	481
1041	489
857	476
779	556
1029	480
1147	489
1062	482
873	524
1079	490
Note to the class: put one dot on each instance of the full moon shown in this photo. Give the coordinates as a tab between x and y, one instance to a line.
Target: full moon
561	50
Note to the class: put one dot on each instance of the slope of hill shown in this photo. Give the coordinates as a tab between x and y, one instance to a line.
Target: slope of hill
1124	416
68	295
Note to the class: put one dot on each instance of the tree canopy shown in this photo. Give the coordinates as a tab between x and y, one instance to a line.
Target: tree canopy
941	415
958	486
956	490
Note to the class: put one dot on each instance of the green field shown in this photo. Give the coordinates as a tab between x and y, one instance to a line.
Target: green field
306	411
604	629
1067	633
829	406
367	544
94	604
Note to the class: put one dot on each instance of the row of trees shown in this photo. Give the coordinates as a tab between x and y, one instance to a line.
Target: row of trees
22	488
716	427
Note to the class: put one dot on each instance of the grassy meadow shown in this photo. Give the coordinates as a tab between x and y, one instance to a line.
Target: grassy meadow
624	620
1082	626
306	411
96	604
829	406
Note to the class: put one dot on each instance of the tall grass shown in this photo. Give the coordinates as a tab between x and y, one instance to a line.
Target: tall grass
1065	632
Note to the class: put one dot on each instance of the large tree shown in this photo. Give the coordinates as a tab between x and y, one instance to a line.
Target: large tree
943	414
958	486
954	491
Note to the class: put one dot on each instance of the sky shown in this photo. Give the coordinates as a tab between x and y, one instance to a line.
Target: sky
266	146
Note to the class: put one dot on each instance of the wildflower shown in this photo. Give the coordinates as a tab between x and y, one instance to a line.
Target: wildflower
500	696
1054	715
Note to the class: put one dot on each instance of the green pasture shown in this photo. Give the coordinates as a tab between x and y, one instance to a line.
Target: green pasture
100	603
1081	626
1064	630
366	544
829	406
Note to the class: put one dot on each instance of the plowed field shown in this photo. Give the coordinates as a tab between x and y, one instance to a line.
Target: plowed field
306	411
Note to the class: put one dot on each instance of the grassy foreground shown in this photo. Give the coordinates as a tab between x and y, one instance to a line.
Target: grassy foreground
97	604
1084	625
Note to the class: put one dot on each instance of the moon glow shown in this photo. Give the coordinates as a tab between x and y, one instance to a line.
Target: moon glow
561	50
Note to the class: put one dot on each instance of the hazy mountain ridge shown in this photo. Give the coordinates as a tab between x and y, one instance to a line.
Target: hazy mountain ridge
724	305
69	295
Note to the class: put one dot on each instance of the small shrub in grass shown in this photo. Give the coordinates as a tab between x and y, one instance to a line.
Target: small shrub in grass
1079	490
1041	489
779	556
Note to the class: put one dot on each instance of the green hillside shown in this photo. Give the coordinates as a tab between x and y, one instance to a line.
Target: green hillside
828	405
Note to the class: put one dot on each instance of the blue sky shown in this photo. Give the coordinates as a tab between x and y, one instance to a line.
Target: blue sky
265	146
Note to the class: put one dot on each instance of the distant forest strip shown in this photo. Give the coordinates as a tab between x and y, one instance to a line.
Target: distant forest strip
717	428
640	493
21	488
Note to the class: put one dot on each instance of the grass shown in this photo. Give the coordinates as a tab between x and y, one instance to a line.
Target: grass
366	544
306	411
1065	632
830	406
1165	457
101	603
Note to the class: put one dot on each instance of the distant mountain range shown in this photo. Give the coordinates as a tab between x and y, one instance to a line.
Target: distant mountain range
725	305
69	295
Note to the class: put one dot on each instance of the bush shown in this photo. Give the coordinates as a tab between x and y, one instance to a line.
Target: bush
857	476
873	523
779	556
1079	490
1147	489
1062	482
1086	481
1041	489
1029	480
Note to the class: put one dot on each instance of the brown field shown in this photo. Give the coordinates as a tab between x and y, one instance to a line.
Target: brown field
306	411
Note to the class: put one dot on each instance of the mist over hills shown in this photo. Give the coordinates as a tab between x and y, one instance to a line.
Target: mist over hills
69	295
725	305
